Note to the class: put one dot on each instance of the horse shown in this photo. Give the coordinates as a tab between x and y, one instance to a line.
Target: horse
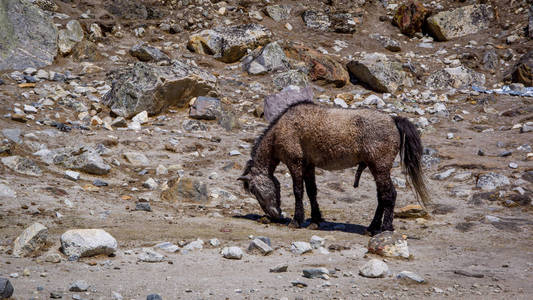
306	136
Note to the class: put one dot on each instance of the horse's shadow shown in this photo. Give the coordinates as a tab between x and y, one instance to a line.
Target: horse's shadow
324	226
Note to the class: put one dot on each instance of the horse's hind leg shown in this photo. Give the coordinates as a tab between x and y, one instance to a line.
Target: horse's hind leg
360	169
386	200
310	187
296	170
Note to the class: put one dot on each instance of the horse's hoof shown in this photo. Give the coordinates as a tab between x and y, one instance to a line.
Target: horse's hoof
294	224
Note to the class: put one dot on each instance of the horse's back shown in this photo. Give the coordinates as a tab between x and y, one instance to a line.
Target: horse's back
335	138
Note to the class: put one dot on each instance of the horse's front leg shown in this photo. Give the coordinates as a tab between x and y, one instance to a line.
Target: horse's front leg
296	171
310	187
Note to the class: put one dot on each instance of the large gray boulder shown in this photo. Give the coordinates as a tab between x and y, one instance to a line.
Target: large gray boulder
28	36
461	21
87	242
69	37
456	77
229	44
154	88
380	73
30	240
276	103
270	58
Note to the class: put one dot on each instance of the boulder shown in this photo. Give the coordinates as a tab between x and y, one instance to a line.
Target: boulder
32	239
278	12
185	190
522	72
460	21
145	53
292	77
490	181
322	68
154	88
410	17
69	37
343	22
316	20
380	73
22	165
205	108
374	268
386	42
87	160
28	35
276	103
270	58
87	242
457	77
229	44
389	244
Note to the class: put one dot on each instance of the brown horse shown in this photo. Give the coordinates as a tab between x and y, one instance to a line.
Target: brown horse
308	136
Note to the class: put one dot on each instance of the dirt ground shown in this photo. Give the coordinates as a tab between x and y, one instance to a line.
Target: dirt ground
456	236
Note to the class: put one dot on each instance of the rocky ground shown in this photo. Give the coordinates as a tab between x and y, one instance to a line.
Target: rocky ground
125	125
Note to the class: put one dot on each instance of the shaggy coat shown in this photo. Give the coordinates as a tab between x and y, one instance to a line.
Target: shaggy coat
308	136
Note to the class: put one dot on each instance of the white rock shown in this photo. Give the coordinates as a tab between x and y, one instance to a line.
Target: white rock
168	247
29	109
301	248
513	165
444	175
72	175
149	255
410	276
150	184
31	239
258	245
374	268
232	252
88	242
317	242
161	170
214	242
340	102
194	245
234	153
492	219
141	117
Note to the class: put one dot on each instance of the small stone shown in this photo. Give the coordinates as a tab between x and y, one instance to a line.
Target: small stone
137	159
143	206
32	239
444	175
194	245
410	276
232	253
234	153
374	268
389	244
316	273
449	136
279	268
214	242
298	283
72	175
513	165
492	219
317	242
153	297
258	245
149	255
116	296
150	184
53	258
6	289
141	117
56	295
491	181
79	286
301	248
411	211
168	247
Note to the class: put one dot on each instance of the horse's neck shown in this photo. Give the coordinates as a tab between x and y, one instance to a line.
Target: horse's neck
264	158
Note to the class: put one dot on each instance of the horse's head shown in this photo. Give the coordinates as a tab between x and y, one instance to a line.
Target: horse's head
264	187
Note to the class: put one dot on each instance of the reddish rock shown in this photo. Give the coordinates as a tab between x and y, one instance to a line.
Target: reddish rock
322	68
410	17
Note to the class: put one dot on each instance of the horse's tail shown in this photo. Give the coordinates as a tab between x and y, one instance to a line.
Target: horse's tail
411	155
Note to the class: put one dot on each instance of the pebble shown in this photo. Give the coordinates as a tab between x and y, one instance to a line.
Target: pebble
444	175
56	295
513	165
232	253
317	242
258	245
141	117
72	175
153	297
168	247
194	245
374	268
150	184
316	273
116	296
149	255
279	268
234	153
301	248
214	242
143	206
410	276
79	286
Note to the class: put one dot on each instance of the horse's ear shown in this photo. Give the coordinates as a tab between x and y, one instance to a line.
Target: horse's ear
244	178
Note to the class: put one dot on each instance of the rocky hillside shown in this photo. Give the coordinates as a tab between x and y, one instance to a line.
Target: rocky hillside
126	123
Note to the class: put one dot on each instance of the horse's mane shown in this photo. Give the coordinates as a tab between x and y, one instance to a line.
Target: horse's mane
275	121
